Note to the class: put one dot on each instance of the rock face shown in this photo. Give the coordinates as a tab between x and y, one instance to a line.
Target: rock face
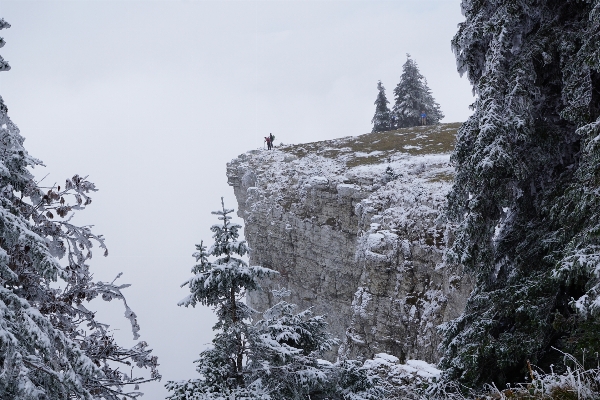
353	227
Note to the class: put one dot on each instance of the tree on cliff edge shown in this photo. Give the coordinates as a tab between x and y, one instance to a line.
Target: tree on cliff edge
382	119
525	193
51	345
412	96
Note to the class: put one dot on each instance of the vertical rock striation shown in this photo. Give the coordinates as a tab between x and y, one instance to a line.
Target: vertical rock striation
353	227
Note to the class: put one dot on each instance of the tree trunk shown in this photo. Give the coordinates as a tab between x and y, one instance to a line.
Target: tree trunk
238	335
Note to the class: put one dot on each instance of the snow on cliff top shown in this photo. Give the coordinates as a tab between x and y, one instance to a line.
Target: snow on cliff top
359	159
397	179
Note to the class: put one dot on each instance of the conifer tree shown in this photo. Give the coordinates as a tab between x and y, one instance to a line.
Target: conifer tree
413	96
277	357
51	345
287	361
222	284
382	119
525	192
288	350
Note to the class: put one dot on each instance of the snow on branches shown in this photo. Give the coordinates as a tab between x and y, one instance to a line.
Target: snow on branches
277	356
526	189
382	120
413	99
51	345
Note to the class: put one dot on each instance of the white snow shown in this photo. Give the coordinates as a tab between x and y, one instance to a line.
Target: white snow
424	369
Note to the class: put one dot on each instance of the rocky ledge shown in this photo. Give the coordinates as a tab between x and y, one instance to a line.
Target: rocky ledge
353	227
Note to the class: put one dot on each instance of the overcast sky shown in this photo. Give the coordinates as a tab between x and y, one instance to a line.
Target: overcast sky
152	98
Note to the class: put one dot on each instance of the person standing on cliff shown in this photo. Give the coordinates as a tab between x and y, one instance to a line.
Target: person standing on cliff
268	140
423	118
272	137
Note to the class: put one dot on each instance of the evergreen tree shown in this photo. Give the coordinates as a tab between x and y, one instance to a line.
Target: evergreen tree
51	345
526	188
382	119
286	359
222	284
275	358
413	96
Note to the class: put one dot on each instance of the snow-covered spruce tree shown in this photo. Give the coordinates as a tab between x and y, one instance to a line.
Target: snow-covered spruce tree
290	344
275	358
222	284
526	188
382	119
51	345
286	359
412	96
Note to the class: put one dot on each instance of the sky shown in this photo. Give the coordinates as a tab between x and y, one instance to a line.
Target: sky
151	99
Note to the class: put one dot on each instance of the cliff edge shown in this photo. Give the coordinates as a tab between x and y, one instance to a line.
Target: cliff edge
353	227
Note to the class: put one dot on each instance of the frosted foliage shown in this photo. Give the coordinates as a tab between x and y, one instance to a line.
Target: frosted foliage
526	189
51	345
287	355
277	357
3	64
382	119
418	380
222	284
413	96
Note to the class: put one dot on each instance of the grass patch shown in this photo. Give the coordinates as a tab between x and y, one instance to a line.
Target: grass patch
442	177
357	150
356	161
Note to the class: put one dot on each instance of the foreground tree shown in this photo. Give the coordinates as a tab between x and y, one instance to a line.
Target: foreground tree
222	284
526	188
287	356
412	97
275	358
51	345
382	119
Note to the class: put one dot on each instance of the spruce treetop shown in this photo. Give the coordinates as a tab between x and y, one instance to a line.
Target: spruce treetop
412	97
228	277
382	119
4	66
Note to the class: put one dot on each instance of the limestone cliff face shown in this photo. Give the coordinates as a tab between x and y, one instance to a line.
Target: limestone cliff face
352	226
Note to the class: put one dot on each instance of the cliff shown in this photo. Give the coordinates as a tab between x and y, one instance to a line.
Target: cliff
352	226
